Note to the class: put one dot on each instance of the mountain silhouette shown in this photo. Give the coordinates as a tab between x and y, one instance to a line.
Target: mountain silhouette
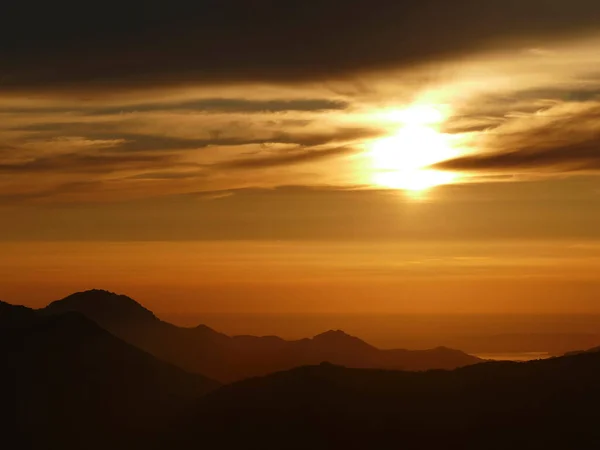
15	316
70	384
203	350
578	352
338	339
549	404
104	306
75	385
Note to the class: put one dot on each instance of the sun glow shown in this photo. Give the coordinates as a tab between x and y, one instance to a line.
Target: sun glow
401	161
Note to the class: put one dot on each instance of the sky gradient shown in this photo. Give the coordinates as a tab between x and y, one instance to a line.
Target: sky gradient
228	156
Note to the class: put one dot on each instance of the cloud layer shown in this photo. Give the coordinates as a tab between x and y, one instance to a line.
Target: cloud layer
110	44
561	139
143	99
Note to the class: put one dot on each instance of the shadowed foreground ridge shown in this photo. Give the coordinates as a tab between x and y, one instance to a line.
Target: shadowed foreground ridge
205	351
547	404
71	385
74	385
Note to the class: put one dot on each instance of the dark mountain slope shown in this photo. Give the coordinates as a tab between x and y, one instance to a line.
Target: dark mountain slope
197	350
69	384
74	385
551	404
578	352
15	316
203	350
104	306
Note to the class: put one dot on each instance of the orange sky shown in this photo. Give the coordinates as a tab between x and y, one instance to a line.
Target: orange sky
369	172
318	277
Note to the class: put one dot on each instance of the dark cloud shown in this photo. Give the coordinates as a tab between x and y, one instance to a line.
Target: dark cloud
208	105
573	157
170	175
287	158
66	44
230	105
565	144
88	163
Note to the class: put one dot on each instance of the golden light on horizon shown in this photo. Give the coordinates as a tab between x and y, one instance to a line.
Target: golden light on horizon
401	161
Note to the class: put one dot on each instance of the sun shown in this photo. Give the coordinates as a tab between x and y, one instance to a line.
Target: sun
401	161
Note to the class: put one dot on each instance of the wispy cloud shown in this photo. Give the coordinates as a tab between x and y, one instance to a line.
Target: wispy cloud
87	163
219	106
556	140
207	105
287	158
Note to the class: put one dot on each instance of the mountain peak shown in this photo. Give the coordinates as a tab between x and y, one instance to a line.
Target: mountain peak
99	304
333	334
209	333
339	338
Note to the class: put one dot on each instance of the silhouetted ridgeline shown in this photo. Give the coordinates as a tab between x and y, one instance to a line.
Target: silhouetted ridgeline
68	384
591	350
15	316
203	350
550	404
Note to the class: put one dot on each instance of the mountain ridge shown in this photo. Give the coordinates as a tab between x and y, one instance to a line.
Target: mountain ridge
75	385
544	404
201	349
72	384
102	302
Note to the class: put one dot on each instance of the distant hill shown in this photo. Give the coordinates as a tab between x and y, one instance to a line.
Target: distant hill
548	404
555	343
203	350
71	384
578	352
